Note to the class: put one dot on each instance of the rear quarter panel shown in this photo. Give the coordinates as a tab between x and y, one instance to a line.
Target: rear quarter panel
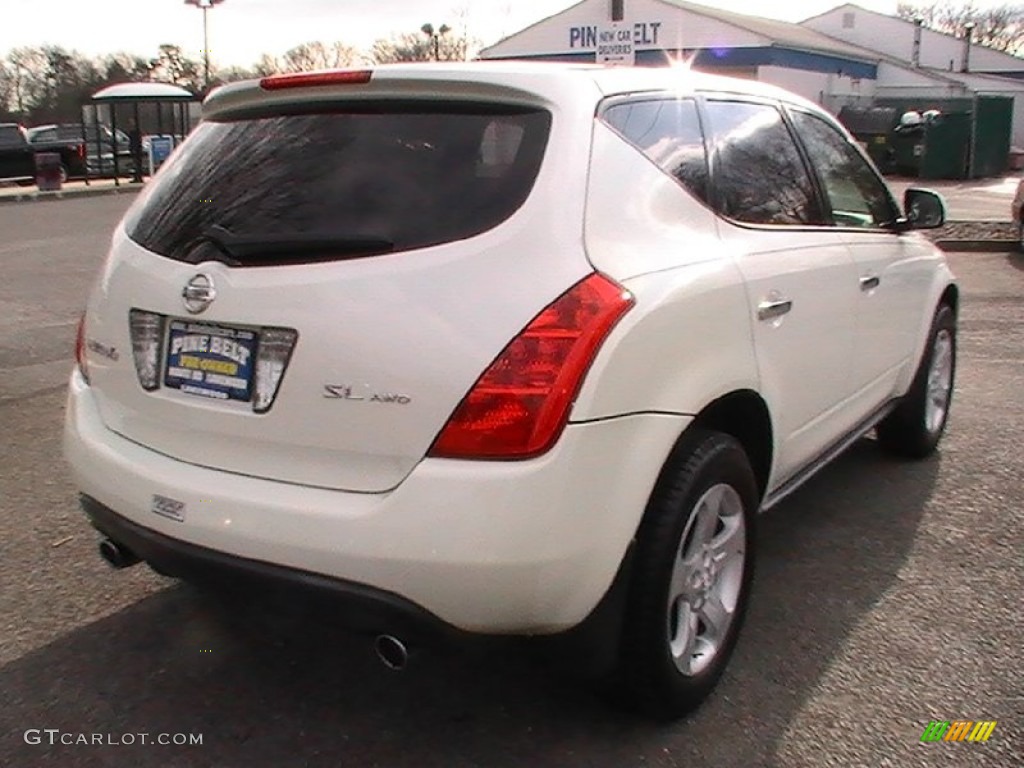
688	339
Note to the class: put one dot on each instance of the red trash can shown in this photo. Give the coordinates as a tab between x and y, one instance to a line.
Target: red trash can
48	174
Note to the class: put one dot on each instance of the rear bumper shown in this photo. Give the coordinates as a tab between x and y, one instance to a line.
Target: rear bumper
487	547
364	608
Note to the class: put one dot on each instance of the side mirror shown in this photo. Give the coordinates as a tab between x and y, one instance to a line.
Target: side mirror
925	209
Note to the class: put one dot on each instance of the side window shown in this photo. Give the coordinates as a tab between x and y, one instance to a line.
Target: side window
857	196
760	177
667	131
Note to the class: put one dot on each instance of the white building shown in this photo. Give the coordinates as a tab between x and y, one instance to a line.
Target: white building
923	62
653	32
896	37
847	55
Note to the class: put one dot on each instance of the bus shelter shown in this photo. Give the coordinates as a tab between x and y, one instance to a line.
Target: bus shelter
164	113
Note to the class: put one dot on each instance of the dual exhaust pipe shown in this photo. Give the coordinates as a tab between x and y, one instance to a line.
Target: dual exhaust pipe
392	652
117	555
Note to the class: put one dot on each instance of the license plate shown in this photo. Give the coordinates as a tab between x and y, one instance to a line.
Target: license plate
213	361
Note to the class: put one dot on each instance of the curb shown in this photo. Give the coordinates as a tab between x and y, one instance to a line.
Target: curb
978	246
32	197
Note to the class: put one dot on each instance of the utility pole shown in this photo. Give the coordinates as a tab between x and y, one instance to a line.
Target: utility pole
205	6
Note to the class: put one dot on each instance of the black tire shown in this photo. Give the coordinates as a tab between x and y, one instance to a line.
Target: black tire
1020	236
649	678
910	431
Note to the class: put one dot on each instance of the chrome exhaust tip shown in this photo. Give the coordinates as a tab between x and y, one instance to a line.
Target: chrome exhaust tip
116	555
392	652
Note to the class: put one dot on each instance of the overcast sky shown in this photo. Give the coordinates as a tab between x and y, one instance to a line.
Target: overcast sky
240	30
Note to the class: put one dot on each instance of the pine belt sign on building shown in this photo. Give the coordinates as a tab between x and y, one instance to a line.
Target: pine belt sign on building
615	42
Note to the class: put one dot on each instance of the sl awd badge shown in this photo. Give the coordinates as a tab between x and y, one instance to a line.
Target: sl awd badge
198	293
363	393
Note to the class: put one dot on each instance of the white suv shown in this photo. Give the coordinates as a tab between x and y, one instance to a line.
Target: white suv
504	349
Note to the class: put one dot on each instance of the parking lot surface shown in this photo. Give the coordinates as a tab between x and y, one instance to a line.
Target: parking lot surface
888	595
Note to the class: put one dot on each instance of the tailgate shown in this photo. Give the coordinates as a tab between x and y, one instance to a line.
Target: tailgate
401	251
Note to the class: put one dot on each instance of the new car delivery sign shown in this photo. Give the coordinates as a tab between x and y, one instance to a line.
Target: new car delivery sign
614	43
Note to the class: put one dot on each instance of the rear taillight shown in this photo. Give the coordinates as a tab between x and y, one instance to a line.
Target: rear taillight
81	151
147	332
518	408
312	79
83	364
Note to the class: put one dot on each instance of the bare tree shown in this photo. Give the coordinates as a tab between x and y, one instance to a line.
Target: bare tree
6	91
318	55
29	66
426	45
268	65
171	65
48	83
1000	28
308	57
410	46
125	68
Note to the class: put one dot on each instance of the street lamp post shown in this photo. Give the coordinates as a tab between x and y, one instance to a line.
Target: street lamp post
435	37
968	40
205	5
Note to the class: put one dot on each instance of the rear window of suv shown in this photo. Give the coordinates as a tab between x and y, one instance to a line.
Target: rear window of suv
372	179
10	136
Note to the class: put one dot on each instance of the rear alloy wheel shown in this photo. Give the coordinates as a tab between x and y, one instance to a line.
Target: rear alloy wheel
916	426
691	579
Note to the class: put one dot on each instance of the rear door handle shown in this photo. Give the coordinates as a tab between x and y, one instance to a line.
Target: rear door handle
870	282
768	310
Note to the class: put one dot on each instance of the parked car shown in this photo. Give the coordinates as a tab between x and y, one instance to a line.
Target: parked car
18	154
504	349
99	145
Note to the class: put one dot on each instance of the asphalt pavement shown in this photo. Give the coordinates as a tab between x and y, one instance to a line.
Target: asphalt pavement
888	594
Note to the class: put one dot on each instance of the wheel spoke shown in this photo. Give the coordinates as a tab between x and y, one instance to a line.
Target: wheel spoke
686	637
707	517
716	618
679	586
729	543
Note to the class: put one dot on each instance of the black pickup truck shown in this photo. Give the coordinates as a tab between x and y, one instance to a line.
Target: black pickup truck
17	154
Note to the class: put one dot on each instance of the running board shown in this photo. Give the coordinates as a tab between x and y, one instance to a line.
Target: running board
830	453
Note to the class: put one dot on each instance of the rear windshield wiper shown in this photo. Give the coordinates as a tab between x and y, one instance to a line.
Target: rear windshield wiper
283	249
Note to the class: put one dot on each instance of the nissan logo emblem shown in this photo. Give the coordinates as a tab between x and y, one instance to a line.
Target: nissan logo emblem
198	293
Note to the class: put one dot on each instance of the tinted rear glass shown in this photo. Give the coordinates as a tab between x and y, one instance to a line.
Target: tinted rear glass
409	176
10	136
668	131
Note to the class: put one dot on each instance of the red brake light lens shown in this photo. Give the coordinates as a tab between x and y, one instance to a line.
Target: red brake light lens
83	365
518	408
311	79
